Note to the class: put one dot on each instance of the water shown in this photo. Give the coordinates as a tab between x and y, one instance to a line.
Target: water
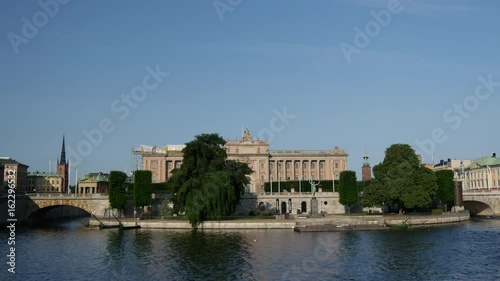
70	251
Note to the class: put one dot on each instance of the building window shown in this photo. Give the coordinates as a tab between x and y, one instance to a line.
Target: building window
153	165
296	165
322	177
296	178
304	165
262	166
288	165
321	164
313	165
262	177
169	165
336	165
177	165
279	165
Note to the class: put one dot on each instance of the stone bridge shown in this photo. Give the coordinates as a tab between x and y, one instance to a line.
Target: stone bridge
43	202
482	203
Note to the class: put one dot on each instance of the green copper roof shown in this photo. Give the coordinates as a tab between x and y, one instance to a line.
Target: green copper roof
488	161
42	174
96	177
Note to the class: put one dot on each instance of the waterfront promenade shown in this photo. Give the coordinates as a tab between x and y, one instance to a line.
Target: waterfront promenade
360	221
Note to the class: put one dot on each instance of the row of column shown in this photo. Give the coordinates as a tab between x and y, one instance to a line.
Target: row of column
481	179
304	173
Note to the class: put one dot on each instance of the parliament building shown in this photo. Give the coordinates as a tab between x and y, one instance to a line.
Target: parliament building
268	165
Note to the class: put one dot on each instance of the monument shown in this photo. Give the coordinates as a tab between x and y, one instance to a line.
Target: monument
314	201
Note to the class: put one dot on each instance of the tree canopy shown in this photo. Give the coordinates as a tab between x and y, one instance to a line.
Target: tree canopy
446	186
348	189
401	179
117	189
207	184
142	188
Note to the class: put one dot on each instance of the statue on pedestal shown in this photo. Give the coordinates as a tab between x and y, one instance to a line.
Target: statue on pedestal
313	187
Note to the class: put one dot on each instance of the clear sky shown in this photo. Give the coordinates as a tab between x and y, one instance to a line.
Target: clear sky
65	68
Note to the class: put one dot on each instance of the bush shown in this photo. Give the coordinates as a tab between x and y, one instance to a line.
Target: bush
263	214
251	213
437	212
146	217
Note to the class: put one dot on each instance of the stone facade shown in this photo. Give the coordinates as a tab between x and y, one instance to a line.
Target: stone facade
290	203
93	183
45	182
482	175
21	173
268	165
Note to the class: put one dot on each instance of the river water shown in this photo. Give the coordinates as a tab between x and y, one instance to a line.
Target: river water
70	251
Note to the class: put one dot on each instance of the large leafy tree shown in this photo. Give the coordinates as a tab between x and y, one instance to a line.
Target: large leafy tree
207	184
117	189
401	179
348	189
142	188
446	186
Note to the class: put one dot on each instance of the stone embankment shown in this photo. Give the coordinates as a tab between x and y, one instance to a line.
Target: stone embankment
377	222
328	223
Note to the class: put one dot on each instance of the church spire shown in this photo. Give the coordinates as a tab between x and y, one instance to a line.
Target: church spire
62	160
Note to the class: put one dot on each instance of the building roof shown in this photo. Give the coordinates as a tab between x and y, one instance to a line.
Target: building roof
488	161
42	174
10	161
95	177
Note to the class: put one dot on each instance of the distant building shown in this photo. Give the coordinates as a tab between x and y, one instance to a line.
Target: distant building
366	170
93	183
452	164
1	177
21	173
45	182
482	174
268	165
62	168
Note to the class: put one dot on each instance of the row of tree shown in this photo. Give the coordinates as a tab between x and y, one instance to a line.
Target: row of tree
118	183
401	180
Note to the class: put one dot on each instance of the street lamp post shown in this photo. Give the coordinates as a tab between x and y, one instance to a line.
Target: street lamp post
333	182
300	184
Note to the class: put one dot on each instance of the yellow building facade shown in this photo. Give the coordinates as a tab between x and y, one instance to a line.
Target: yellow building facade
45	182
268	165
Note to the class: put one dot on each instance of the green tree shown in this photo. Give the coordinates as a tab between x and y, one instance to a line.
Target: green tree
348	189
117	189
446	186
207	184
401	179
142	188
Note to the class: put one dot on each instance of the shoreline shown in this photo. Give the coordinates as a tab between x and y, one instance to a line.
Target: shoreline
327	223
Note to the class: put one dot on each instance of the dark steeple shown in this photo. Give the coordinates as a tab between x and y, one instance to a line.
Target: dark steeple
62	160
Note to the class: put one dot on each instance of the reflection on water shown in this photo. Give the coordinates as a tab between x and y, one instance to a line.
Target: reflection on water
70	251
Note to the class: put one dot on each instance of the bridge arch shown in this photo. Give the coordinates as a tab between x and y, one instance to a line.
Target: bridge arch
482	203
478	208
56	211
97	204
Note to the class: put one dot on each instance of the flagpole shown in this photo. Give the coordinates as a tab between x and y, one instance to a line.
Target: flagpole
76	177
279	177
300	184
271	183
69	175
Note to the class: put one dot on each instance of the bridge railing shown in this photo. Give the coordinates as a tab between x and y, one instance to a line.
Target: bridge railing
65	195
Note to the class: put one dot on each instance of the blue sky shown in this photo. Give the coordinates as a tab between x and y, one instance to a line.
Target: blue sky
237	67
